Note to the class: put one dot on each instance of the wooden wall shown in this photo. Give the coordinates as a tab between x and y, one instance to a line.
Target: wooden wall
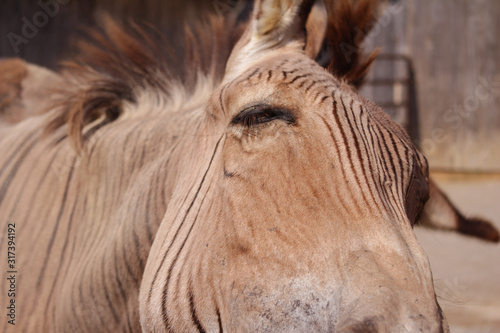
453	46
52	40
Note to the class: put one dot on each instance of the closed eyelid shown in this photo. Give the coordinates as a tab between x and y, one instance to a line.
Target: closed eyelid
265	113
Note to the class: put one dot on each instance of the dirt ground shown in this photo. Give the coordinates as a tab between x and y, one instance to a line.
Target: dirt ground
467	271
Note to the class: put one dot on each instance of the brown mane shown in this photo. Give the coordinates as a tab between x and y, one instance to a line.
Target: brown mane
349	21
113	64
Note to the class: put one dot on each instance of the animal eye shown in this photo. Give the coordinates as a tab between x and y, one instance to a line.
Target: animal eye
261	114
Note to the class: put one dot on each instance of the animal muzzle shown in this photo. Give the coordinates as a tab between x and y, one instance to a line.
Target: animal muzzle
389	292
390	314
310	311
368	293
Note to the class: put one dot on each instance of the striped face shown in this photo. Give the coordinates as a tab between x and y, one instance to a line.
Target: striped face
290	120
320	192
268	197
301	216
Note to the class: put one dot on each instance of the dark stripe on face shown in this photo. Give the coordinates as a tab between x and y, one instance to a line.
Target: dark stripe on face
372	168
340	198
388	158
157	273
283	63
400	162
382	164
219	320
165	289
269	75
302	84
252	74
192	308
344	144
177	256
323	99
397	206
290	72
315	82
299	77
358	152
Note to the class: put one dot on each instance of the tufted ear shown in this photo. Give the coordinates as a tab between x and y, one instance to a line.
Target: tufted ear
276	22
440	213
316	26
329	31
23	89
274	25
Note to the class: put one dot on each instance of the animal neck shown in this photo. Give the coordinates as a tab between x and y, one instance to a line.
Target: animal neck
125	183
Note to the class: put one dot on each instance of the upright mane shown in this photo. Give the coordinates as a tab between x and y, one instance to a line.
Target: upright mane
115	65
349	21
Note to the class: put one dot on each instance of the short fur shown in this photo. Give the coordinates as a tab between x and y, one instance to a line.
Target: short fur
272	199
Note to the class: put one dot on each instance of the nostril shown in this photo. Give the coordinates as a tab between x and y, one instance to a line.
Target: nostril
368	325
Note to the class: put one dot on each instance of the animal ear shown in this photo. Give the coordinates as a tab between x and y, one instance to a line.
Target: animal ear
440	213
274	24
277	22
23	89
316	29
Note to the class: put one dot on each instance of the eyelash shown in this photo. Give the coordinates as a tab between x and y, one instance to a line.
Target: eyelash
261	114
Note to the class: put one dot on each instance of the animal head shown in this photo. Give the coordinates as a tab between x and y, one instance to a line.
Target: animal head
301	216
290	199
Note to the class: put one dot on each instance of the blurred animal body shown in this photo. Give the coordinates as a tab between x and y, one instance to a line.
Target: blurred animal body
242	187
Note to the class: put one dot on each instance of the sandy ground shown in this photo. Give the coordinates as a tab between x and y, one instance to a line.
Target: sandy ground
467	271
